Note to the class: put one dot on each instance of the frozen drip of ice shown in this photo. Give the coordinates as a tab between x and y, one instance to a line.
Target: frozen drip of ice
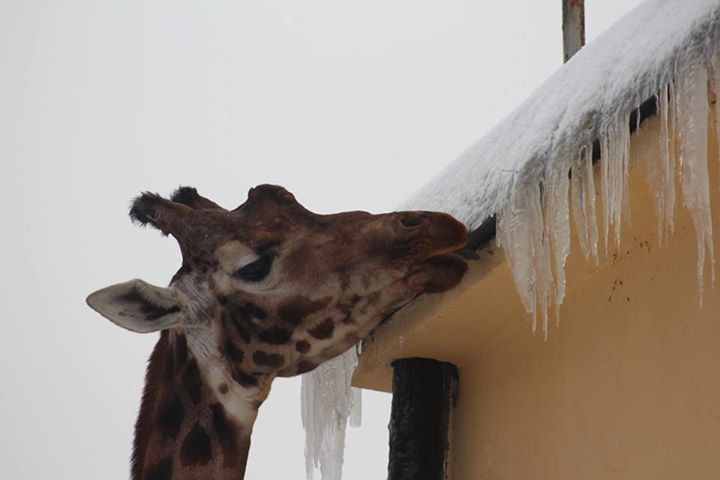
328	402
691	123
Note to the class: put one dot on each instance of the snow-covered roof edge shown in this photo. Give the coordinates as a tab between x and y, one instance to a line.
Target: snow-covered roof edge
519	171
611	76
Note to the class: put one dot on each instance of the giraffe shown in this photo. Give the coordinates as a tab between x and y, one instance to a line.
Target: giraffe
265	290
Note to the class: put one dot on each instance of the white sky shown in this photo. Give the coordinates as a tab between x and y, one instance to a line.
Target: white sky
350	105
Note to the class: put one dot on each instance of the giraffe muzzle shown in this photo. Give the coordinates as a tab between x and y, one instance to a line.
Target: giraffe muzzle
443	232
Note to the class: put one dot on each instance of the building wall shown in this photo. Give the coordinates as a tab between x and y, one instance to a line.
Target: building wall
626	387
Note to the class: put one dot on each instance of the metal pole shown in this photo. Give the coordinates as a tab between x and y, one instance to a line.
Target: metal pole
573	27
424	393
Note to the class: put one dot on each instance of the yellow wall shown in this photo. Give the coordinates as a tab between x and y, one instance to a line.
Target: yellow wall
627	387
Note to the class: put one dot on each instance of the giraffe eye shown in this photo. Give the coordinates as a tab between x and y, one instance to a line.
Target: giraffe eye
255	271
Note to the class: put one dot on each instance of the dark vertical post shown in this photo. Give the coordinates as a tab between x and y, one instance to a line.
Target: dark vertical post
424	393
573	26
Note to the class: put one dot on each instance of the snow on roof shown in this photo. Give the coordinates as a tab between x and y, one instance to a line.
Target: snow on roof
663	49
614	74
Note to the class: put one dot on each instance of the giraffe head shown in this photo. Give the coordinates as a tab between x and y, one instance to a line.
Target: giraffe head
273	288
267	289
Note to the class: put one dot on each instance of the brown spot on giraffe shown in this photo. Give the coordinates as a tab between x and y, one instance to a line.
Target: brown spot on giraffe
275	336
246	311
258	285
302	346
191	381
238	326
196	448
233	353
295	309
324	330
169	416
180	350
265	359
305	366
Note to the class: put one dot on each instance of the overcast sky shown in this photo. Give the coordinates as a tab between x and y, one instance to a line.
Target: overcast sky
350	105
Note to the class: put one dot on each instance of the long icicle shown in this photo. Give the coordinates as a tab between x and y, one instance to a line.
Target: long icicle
691	117
582	194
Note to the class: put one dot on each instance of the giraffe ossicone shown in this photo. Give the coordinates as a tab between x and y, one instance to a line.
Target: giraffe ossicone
267	289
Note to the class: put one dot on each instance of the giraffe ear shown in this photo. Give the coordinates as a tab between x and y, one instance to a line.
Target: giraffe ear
138	306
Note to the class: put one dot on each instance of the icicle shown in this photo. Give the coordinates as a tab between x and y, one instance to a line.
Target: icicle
556	213
715	63
614	175
582	193
350	361
521	232
328	401
691	116
517	231
661	168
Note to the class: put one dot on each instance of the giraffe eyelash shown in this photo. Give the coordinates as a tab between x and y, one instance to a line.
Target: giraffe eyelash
255	271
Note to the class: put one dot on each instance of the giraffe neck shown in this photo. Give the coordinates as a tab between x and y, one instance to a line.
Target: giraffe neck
193	422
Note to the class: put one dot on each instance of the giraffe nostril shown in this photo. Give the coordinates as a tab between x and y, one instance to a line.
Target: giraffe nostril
411	220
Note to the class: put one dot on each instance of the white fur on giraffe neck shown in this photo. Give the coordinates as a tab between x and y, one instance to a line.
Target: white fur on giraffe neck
239	402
